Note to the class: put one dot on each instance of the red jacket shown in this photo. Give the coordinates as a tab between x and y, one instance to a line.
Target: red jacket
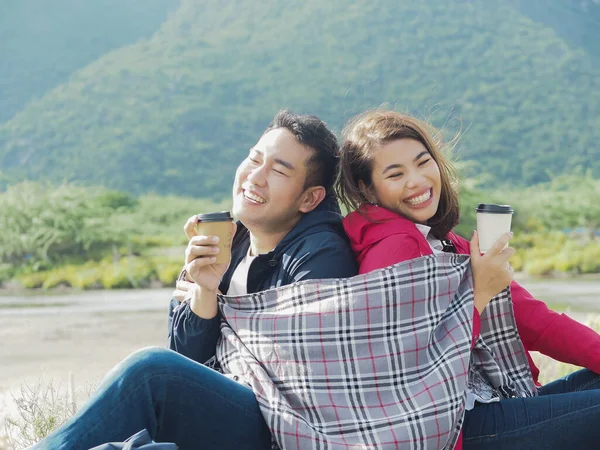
395	239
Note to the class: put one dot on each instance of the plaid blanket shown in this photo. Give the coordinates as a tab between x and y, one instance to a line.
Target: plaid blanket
377	361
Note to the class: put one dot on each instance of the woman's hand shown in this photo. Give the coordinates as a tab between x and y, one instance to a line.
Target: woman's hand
492	271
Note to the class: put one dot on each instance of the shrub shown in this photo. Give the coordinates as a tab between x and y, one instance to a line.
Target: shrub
167	271
517	261
539	267
590	259
6	272
32	280
128	272
115	278
58	277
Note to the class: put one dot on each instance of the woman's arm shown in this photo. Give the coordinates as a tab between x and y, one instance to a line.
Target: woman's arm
555	335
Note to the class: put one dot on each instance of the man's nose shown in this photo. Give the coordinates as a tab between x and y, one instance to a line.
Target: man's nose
258	176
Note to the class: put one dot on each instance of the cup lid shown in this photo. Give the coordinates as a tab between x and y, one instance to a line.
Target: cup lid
494	209
221	216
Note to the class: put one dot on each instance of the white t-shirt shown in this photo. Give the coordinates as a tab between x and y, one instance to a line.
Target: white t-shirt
239	280
435	244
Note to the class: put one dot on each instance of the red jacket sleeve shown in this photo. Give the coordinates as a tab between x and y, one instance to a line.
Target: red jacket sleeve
555	335
543	330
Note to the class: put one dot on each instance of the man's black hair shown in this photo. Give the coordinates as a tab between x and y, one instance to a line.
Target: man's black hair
313	133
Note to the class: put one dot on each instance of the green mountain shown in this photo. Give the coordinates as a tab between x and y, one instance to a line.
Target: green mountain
41	45
176	112
575	21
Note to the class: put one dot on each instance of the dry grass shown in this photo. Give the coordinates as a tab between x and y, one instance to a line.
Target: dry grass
39	409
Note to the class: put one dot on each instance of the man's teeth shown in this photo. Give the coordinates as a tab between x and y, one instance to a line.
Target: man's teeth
420	199
253	197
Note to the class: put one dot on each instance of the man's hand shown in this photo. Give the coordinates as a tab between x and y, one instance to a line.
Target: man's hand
202	270
492	271
200	262
183	290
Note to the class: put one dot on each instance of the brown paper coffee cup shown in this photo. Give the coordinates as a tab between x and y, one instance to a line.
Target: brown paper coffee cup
218	224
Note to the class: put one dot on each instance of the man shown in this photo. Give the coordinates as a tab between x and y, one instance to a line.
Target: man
289	230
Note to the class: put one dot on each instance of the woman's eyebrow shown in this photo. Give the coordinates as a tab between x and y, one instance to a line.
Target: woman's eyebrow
399	166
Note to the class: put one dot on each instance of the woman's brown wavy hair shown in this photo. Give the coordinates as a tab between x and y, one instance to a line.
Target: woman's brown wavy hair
364	134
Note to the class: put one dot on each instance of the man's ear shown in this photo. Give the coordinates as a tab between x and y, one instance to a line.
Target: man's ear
367	193
311	198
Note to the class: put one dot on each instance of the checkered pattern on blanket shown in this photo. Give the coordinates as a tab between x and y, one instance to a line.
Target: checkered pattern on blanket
377	361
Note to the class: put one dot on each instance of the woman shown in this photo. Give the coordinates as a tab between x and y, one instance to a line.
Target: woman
402	192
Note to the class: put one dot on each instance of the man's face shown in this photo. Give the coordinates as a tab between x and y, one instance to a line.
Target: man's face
269	184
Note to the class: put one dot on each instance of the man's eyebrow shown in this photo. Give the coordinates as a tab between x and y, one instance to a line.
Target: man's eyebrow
285	164
398	166
281	162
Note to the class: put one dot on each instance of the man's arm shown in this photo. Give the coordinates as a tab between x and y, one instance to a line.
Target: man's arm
194	324
191	335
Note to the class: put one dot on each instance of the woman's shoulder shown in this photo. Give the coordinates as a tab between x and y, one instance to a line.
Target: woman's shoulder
374	215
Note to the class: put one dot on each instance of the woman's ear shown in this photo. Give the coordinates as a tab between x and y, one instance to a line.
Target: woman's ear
367	193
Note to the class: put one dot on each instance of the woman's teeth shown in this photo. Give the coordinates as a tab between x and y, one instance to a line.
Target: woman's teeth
254	197
420	199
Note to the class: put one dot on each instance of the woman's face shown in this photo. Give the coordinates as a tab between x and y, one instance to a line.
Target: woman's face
406	180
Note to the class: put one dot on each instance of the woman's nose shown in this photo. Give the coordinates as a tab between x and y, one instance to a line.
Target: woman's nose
414	180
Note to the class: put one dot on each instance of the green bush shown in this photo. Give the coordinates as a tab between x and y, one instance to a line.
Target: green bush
44	225
590	259
126	272
167	271
32	280
6	272
517	262
88	276
545	253
540	267
58	277
568	261
115	278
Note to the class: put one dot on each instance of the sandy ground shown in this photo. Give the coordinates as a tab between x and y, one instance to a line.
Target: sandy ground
82	338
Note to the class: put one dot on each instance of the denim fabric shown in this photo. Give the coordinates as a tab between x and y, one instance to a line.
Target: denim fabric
175	399
565	415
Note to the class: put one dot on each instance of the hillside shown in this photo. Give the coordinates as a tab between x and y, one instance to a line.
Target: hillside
42	45
174	113
575	21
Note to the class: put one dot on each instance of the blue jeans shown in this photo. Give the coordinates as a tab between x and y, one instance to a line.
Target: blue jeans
565	415
175	399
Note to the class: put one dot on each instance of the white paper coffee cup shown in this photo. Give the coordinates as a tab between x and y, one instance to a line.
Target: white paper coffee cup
492	222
